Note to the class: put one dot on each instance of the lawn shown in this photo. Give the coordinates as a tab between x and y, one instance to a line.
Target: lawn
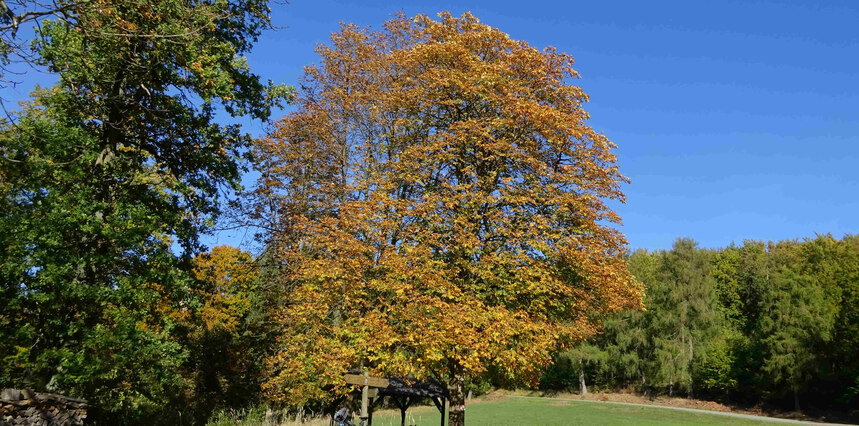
519	411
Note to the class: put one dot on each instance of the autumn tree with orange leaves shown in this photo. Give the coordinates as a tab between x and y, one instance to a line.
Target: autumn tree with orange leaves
437	205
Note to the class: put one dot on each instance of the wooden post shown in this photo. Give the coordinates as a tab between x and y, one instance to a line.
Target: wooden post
366	382
403	404
373	393
365	390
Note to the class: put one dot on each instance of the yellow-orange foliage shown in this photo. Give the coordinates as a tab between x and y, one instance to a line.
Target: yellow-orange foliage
228	274
437	202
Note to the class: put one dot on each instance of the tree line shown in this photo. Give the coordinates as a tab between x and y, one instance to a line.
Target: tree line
758	322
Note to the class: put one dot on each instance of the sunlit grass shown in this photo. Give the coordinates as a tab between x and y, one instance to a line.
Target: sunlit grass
548	411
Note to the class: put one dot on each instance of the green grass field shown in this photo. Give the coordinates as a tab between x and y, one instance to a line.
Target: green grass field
517	412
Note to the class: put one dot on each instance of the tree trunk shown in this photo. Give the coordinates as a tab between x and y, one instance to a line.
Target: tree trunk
670	388
691	359
457	396
643	384
796	401
583	388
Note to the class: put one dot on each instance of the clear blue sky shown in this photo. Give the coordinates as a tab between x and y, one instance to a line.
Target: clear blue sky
734	119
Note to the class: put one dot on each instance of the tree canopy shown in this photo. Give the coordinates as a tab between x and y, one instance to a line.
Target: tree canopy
107	179
438	202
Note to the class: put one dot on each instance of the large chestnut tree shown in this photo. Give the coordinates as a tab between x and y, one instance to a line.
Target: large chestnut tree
437	204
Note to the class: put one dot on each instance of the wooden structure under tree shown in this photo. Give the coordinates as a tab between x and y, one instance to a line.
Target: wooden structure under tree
401	393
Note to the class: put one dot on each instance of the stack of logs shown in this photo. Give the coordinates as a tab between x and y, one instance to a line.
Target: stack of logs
26	407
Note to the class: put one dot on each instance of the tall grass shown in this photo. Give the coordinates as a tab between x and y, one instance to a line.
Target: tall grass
263	416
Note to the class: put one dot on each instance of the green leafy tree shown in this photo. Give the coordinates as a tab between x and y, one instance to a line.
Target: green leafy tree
753	275
627	340
684	318
582	357
628	349
717	371
793	321
104	178
846	333
725	277
570	368
744	273
799	313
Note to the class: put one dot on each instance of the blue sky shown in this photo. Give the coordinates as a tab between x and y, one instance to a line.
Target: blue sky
734	119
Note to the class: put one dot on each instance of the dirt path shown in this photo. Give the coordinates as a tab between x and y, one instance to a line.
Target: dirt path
694	410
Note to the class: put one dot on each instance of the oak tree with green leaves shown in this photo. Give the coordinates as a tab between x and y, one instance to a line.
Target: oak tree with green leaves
109	174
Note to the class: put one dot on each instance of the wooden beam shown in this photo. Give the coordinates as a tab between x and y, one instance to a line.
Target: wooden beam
362	380
437	403
377	400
